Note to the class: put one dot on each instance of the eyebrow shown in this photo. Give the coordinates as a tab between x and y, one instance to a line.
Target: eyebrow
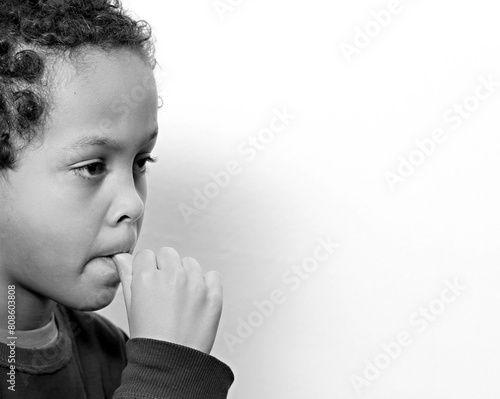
97	141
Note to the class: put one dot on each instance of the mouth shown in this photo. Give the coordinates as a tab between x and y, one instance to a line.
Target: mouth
118	252
127	249
124	246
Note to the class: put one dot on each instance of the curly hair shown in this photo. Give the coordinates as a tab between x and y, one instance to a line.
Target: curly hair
34	31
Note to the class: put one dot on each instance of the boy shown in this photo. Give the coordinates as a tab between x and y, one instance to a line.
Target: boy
78	123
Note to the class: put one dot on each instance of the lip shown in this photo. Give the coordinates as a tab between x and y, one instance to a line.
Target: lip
111	251
110	254
108	275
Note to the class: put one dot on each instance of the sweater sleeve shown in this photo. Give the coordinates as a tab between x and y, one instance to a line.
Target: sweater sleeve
164	370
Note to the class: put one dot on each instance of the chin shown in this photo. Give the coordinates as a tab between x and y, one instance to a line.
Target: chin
95	300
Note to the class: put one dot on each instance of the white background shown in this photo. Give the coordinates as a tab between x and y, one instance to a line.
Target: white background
325	175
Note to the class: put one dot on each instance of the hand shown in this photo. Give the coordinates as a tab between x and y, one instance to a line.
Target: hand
169	299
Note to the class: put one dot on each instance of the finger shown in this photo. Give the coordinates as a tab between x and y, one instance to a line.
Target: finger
144	262
168	259
213	281
124	266
193	268
215	299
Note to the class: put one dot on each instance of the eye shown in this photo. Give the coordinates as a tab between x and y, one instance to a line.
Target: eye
91	170
141	163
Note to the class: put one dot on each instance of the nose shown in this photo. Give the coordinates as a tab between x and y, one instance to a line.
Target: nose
128	201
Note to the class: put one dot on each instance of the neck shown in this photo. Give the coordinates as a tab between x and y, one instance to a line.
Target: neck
31	310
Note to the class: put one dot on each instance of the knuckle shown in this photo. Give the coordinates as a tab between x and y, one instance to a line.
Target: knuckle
144	261
199	288
142	281
215	298
145	252
215	275
178	276
192	264
168	251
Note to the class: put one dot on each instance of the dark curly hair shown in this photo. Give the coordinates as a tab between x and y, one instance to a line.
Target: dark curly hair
33	32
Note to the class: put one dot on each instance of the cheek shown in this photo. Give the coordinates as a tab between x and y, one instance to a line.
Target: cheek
141	186
142	191
50	227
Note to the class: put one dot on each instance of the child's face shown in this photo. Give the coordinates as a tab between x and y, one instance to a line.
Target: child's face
81	194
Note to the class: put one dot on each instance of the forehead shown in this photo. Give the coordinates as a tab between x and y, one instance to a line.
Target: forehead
102	94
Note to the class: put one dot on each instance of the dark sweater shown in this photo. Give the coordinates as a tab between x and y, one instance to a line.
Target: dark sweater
93	359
